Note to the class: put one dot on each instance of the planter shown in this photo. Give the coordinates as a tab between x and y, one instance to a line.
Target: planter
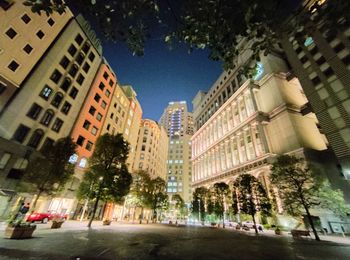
19	232
107	222
56	224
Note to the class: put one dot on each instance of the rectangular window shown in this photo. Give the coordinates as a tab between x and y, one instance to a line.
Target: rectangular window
72	50
89	146
105	75
108	93
34	111
103	104
51	22
25	18
57	125
40	34
64	62
86	48
80	79
316	80
66	107
4	160
94	131
97	98
13	66
86	67
48	143
21	133
86	124
28	49
99	117
79	39
111	83
56	76
92	110
101	86
56	101
73	93
46	92
91	56
80	140
11	33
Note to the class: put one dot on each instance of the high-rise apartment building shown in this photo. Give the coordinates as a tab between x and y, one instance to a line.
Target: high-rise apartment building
178	122
124	116
89	123
152	150
321	61
50	99
24	39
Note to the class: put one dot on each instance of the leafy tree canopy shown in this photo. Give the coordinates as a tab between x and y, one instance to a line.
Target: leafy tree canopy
51	171
217	25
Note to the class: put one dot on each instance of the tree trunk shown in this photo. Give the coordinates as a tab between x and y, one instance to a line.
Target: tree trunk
256	229
94	211
141	216
36	200
311	223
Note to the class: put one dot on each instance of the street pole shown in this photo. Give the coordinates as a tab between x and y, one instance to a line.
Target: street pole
199	211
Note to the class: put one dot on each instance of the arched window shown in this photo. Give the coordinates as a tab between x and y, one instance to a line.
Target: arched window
66	84
36	138
57	99
80	58
47	117
73	70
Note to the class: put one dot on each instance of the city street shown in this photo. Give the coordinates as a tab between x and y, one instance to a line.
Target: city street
155	241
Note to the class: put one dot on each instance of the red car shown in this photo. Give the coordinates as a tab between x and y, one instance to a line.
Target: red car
44	217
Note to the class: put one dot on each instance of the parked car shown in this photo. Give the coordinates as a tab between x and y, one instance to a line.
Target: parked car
231	224
250	224
44	217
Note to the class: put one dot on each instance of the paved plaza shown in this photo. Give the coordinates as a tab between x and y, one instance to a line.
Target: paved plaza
155	241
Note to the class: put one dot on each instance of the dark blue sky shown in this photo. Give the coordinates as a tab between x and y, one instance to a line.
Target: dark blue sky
162	75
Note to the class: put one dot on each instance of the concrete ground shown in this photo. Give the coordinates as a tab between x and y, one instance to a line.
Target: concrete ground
155	241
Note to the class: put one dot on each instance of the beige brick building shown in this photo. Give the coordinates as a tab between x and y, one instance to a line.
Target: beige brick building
152	150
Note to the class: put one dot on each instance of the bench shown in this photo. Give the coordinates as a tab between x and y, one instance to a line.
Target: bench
299	233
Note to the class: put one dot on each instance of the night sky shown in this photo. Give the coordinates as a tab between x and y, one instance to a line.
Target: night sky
162	75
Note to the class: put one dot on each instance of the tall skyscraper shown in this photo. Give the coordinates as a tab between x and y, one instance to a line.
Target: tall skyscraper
178	122
321	61
152	150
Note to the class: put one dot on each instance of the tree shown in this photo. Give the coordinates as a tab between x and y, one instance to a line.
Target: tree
179	205
221	193
107	178
217	25
199	201
158	196
251	196
301	189
52	170
139	191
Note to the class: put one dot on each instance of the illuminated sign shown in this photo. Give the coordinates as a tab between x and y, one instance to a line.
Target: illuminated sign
73	159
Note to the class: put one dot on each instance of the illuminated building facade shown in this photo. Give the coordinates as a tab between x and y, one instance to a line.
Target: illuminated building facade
124	117
49	101
24	39
178	122
152	150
